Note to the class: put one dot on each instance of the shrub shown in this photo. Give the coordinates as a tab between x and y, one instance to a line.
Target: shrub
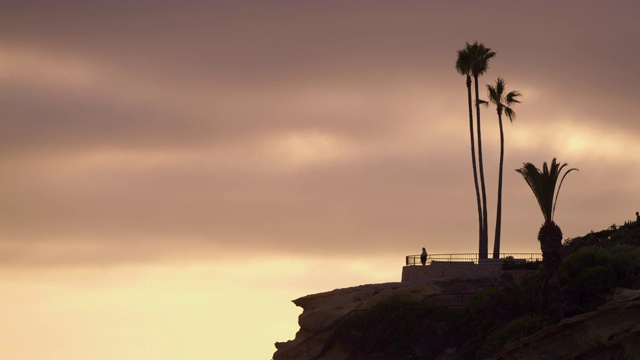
512	264
400	328
515	330
589	276
586	257
625	262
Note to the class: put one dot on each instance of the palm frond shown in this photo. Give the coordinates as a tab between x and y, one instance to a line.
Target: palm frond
463	62
535	179
493	94
510	113
480	56
560	185
512	97
503	102
543	185
500	85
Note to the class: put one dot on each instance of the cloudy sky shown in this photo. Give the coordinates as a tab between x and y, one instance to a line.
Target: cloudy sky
174	173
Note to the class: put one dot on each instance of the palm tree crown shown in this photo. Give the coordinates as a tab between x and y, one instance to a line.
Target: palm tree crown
503	102
464	61
479	58
474	59
543	184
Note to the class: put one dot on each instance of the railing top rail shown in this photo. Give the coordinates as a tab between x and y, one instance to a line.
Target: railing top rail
471	257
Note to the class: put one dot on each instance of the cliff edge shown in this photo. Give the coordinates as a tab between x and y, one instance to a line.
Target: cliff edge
612	331
322	311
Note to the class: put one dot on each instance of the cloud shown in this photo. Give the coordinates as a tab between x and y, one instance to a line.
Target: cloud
177	131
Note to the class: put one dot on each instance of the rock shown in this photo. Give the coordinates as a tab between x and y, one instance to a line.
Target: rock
322	311
625	294
610	332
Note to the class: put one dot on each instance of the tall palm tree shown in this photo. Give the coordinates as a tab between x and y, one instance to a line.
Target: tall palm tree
503	103
480	64
543	184
464	66
473	61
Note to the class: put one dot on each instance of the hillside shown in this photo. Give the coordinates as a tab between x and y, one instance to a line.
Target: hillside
439	319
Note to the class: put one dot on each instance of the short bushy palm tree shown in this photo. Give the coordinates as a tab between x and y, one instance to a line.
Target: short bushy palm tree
543	184
473	61
504	103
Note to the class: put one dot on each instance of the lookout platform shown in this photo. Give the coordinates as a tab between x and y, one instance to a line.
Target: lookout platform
461	266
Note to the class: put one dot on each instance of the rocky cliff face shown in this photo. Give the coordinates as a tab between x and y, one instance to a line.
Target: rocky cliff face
610	332
322	311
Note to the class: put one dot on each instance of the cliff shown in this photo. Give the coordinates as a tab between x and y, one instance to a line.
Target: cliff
610	332
324	310
511	320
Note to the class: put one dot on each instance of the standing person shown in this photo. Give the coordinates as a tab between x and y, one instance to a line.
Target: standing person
423	257
637	217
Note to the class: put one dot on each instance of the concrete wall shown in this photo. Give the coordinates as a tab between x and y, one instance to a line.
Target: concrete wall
461	270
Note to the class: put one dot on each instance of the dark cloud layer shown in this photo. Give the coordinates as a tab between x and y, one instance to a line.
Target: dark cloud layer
181	129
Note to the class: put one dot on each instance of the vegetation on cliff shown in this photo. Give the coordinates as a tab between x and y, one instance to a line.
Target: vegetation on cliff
592	267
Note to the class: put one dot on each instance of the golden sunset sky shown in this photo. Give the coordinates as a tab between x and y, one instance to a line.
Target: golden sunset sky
174	173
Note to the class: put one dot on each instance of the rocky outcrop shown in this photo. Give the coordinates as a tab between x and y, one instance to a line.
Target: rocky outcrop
610	332
323	310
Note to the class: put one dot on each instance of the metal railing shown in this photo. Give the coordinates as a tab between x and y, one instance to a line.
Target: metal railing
471	257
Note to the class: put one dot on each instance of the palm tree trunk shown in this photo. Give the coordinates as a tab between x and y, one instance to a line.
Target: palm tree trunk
496	242
484	237
552	287
473	163
550	237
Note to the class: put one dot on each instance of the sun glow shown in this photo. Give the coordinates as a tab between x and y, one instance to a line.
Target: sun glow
570	141
219	310
297	149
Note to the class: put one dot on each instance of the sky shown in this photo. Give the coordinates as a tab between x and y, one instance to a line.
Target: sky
174	173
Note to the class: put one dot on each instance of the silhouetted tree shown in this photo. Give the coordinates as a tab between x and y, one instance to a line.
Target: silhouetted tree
503	103
543	184
473	61
463	66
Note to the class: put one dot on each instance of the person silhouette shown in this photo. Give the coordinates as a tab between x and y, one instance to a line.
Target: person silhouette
637	217
423	257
